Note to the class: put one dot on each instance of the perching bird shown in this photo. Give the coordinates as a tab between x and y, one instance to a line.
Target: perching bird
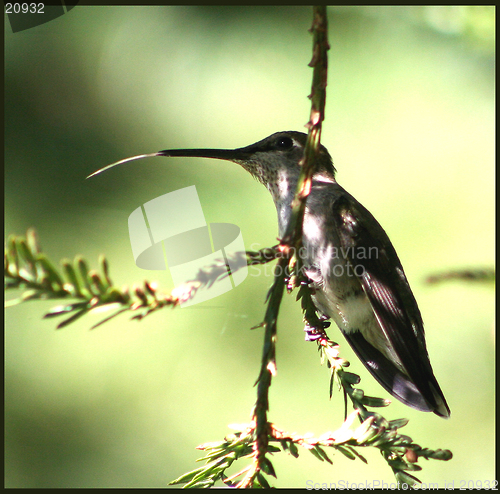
355	273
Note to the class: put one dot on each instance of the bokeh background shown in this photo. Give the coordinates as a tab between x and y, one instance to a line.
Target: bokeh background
410	126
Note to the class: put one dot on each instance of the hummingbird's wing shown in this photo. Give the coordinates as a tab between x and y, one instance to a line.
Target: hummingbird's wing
409	378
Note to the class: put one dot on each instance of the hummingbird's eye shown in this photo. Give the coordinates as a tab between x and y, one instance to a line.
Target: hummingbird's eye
284	143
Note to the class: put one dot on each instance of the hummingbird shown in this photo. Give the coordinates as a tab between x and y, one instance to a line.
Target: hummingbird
353	270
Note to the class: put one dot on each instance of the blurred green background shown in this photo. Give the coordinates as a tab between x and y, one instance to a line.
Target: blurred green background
410	126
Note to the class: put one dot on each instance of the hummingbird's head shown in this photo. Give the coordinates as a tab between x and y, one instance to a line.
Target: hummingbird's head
276	160
281	153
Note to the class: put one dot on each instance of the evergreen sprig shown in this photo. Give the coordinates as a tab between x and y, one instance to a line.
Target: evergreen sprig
399	450
27	268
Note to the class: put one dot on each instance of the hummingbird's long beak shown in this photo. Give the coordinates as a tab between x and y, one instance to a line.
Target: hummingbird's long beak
126	160
221	154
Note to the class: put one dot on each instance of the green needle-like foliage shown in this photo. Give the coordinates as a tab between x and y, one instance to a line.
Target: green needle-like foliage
27	268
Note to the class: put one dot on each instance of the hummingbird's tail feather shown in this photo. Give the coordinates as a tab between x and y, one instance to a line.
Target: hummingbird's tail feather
429	399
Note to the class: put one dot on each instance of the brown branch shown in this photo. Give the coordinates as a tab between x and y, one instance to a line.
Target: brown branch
289	264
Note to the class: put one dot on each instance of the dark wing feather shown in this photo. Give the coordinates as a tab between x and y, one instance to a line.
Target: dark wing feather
384	282
386	373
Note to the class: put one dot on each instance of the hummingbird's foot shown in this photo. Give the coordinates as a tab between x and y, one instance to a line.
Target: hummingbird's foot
316	332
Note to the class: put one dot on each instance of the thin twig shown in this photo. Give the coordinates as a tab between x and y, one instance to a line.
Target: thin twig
292	239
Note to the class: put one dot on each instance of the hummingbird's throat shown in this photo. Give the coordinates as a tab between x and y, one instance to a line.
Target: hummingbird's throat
257	170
